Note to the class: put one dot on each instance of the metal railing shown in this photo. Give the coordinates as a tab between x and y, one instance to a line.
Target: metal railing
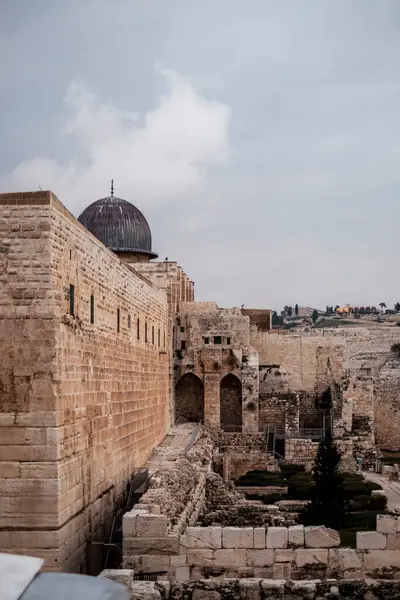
142	478
151	576
193	438
301	433
231	428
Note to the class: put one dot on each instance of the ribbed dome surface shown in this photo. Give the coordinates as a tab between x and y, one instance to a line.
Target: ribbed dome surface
119	225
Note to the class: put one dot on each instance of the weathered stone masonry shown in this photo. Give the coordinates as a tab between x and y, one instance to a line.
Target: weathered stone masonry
295	552
83	379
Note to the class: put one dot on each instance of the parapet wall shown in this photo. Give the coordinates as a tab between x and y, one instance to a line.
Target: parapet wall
296	552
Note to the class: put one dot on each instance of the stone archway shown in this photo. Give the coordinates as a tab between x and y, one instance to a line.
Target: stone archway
231	403
189	399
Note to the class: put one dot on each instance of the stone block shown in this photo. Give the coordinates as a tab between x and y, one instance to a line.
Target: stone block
284	556
263	572
129	522
273	589
304	589
381	559
205	595
370	540
249	589
259	537
307	556
9	469
296	535
230	558
321	537
393	541
349	559
237	537
224	558
152	525
260	558
146	545
200	557
196	573
202	537
154	563
178	561
124	576
277	537
182	574
282	571
386	524
240	557
145	590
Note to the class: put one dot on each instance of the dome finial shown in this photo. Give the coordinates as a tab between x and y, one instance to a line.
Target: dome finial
112	188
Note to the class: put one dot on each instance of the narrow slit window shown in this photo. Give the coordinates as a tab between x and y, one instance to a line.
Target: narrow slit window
118	320
72	300
182	330
138	329
183	345
92	309
129	321
159	337
228	341
164	338
152	334
217	339
145	332
206	340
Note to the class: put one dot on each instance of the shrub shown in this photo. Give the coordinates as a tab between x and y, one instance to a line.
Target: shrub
260	478
266	498
355	488
372	485
378	503
352	476
360	502
395	348
301	487
289	470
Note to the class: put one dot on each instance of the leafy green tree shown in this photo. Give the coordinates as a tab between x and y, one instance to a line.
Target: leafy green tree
397	307
328	506
314	315
275	318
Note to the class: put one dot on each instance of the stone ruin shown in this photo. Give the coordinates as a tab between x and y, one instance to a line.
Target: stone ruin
191	526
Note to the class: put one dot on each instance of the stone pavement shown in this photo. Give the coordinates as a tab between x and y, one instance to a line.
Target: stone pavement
391	488
172	447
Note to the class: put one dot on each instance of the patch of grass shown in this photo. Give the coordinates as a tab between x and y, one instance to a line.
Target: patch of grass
357	521
334	323
266	498
390	458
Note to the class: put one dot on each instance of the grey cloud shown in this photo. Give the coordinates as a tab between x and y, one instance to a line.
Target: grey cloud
306	208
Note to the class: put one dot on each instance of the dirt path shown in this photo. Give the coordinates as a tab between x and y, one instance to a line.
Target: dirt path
391	488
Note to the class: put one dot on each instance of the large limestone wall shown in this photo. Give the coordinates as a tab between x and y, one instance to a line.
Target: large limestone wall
82	404
303	357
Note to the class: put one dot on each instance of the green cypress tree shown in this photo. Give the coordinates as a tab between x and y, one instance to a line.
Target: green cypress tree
328	505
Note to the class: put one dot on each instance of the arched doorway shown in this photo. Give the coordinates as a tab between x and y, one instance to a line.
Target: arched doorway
231	403
189	399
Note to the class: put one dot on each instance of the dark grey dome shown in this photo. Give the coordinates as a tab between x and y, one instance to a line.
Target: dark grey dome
119	225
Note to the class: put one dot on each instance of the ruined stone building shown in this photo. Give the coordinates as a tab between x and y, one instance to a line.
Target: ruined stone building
103	349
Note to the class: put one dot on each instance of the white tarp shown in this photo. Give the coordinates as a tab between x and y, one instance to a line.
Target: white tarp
16	573
20	579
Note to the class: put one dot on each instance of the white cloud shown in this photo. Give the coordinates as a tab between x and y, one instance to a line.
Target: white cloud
160	157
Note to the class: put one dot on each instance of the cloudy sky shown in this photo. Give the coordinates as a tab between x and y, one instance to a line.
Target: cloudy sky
261	139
